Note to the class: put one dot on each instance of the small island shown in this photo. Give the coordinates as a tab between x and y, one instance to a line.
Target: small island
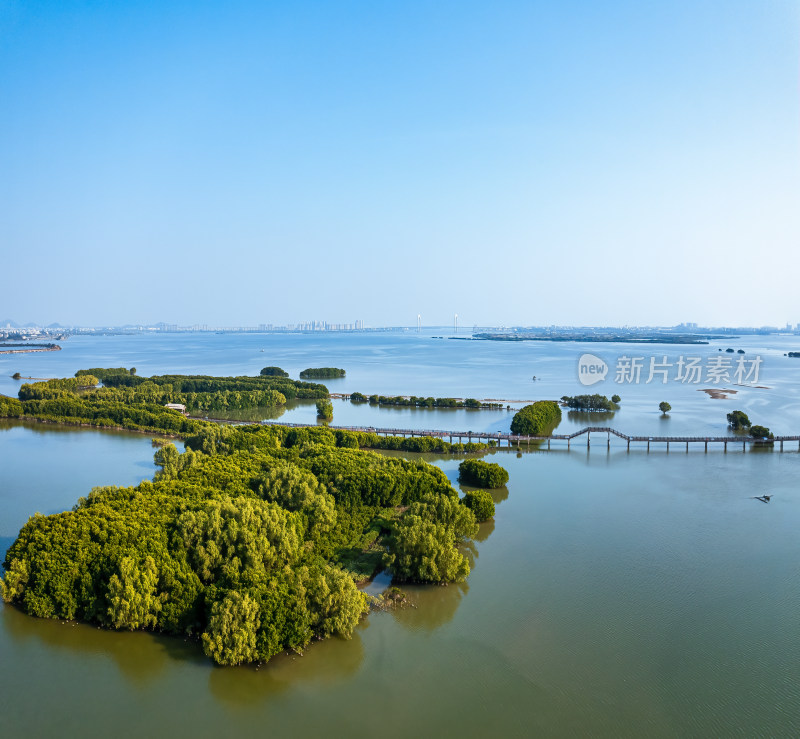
536	419
594	402
322	373
413	401
252	541
28	348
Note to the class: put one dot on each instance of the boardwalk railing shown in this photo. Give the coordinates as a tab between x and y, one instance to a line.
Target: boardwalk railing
518	440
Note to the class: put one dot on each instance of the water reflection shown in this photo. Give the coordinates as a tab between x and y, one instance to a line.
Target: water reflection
140	656
328	662
435	606
486	528
250	415
591	418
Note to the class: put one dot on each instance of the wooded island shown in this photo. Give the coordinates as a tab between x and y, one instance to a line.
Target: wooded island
252	540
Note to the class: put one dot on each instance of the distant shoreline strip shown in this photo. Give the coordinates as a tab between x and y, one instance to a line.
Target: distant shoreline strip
29	349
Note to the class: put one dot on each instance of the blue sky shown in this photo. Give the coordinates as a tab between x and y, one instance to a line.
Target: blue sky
523	163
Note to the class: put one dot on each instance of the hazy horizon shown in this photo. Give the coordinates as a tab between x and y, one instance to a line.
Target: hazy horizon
296	325
519	163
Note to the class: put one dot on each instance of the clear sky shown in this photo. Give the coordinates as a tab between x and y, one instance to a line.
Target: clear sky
236	163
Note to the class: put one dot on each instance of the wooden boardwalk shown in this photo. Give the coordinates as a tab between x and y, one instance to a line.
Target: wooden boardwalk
516	440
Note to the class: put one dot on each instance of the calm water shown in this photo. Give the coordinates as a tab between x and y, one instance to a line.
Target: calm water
415	364
613	595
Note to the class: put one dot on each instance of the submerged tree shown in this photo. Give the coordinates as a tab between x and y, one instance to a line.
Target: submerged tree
324	409
480	503
664	407
738	420
538	418
482	474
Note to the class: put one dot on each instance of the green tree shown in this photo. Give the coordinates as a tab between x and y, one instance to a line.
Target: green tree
325	409
664	407
482	474
273	372
615	399
760	432
132	598
335	603
480	503
536	419
594	402
738	420
230	638
322	372
425	551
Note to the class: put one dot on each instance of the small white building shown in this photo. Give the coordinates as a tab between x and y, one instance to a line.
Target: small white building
177	407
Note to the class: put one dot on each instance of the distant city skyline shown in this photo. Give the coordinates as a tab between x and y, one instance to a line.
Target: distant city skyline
516	163
360	325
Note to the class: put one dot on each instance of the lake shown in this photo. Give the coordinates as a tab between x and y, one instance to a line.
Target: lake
614	594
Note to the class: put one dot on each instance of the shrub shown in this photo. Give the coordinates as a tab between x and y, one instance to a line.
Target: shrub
321	372
590	402
325	409
480	503
537	419
738	420
482	474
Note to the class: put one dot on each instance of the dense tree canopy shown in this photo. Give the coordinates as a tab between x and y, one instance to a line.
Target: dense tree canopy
480	503
537	419
132	402
594	402
482	474
138	404
273	372
738	420
321	373
414	401
253	540
325	409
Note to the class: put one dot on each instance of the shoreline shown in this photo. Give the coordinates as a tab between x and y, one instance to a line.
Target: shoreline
38	348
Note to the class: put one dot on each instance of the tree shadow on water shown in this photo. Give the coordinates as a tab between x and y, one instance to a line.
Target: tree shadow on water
485	530
140	656
591	418
436	605
326	662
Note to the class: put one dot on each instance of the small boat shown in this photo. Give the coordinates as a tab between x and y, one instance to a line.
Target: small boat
762	498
